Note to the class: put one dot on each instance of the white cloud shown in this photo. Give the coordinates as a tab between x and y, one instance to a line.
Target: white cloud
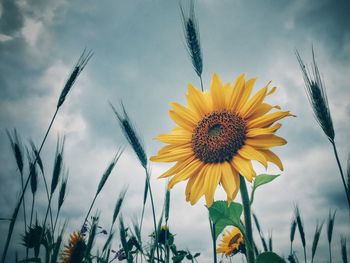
32	30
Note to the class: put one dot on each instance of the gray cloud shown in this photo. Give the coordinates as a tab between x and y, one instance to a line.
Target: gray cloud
11	18
140	57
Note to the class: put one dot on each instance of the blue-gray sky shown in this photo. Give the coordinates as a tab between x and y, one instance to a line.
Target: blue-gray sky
140	57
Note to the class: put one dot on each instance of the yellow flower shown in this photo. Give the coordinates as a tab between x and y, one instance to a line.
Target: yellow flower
231	243
74	251
217	135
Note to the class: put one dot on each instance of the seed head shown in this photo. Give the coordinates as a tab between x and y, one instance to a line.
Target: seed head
317	96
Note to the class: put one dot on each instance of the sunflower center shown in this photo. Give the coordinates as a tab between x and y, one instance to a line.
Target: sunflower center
218	136
234	240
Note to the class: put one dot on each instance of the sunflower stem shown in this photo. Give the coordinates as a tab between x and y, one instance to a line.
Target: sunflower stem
212	232
341	171
247	218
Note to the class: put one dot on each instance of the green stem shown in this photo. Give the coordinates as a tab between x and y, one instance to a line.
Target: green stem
11	227
247	218
54	226
200	77
212	232
24	205
330	252
341	172
154	215
144	202
31	211
87	215
305	255
45	219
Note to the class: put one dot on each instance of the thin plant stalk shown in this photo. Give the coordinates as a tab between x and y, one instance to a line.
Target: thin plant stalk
31	211
247	218
23	203
102	182
10	231
45	219
144	200
87	215
200	78
153	211
347	191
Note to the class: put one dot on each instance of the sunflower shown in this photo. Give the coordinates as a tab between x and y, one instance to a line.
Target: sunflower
231	243
74	251
217	135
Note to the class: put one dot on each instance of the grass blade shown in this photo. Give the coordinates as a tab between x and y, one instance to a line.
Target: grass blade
118	205
316	239
108	171
262	238
270	241
301	229
344	254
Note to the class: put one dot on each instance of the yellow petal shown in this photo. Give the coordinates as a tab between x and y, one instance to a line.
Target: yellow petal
173	156
237	90
248	87
261	110
189	186
229	180
182	121
244	167
177	167
263	131
174	147
199	186
267	120
186	113
214	176
174	138
251	105
250	153
265	141
271	91
197	101
273	158
217	93
185	173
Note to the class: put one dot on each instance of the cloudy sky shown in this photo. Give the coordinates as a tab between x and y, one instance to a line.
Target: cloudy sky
140	58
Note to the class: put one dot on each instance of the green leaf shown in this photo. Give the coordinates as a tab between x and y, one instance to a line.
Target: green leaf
261	179
269	257
223	215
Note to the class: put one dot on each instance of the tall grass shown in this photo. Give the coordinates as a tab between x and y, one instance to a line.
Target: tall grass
80	65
